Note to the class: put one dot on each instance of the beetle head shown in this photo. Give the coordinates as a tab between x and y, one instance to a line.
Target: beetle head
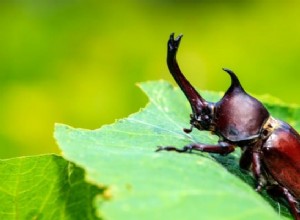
202	119
202	110
237	116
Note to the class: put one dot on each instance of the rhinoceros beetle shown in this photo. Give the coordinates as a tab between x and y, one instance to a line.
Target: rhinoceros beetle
270	147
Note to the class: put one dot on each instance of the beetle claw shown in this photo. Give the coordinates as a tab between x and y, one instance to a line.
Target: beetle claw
159	148
258	188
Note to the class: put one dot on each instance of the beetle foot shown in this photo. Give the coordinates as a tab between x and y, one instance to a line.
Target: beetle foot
159	148
173	44
259	187
170	148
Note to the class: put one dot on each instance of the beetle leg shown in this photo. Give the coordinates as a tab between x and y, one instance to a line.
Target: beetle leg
279	191
246	158
222	148
257	171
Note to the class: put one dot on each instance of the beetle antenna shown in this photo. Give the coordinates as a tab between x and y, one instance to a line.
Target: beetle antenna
195	99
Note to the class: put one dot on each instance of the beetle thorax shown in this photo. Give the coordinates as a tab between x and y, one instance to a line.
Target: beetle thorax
239	116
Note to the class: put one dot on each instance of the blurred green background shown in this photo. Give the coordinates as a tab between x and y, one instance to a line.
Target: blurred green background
77	61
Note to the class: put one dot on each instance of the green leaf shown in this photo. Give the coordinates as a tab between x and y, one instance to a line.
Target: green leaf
44	187
144	184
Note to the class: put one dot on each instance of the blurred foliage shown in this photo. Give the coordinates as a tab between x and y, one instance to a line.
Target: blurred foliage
76	61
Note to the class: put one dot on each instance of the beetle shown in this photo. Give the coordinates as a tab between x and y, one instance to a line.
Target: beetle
270	147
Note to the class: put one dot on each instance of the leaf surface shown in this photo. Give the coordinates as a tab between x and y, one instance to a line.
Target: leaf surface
143	184
44	187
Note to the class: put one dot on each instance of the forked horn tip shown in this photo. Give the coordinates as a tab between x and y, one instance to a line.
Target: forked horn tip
177	38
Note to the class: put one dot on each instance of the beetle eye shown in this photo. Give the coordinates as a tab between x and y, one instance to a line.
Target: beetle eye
205	117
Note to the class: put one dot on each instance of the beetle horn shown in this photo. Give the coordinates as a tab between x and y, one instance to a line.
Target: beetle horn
235	83
196	101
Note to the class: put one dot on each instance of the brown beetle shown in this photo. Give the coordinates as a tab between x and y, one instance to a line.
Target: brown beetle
270	147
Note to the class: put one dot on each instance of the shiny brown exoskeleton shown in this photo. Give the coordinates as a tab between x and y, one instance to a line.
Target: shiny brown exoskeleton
270	147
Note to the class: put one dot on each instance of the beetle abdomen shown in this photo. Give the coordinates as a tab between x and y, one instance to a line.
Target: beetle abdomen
281	153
